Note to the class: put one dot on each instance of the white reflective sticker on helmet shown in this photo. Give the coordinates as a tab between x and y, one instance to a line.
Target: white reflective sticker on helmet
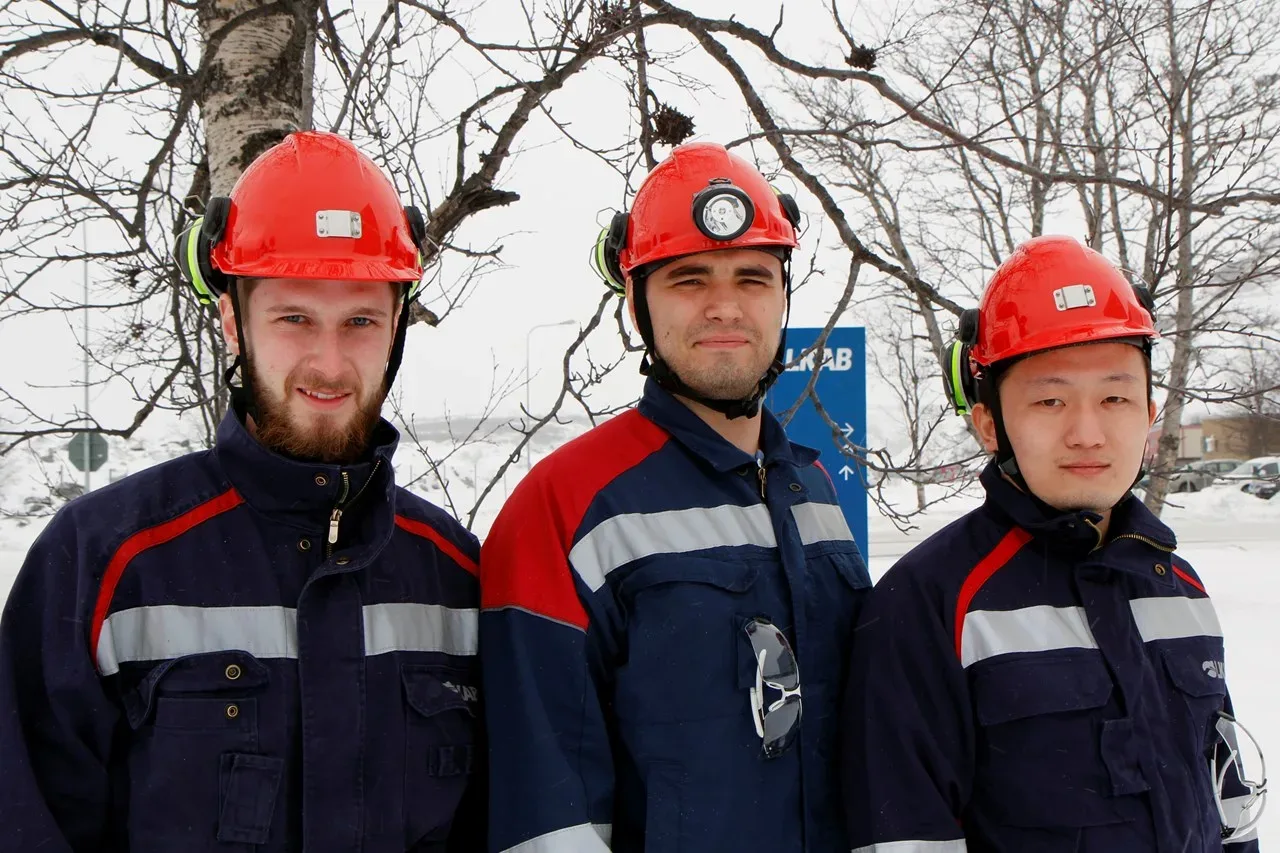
338	223
1074	296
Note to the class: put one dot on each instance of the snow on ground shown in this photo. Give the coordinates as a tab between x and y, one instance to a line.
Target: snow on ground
1232	539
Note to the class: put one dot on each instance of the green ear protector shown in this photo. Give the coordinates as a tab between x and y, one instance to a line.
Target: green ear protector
195	244
607	250
961	373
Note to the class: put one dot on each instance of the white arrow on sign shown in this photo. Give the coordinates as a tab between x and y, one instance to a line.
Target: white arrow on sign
847	430
845	472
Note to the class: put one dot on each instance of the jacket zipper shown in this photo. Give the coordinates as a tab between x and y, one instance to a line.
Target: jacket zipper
1153	543
335	517
760	471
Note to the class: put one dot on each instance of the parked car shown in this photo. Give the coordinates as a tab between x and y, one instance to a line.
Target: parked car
1259	477
1194	475
1201	474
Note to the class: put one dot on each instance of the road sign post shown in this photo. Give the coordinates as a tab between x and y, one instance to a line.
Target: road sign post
842	388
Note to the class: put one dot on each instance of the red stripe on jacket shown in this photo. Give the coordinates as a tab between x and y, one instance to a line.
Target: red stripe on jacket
426	531
524	563
149	538
981	573
1189	579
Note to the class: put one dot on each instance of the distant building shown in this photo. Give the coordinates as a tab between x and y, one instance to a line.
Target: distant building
1224	437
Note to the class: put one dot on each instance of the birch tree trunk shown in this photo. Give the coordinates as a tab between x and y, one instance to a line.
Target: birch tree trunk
258	85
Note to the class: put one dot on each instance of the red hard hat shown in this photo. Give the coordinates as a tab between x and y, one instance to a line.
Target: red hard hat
315	207
701	199
1055	292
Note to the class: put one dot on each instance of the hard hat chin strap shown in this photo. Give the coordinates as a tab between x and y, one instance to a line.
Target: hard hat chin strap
242	399
989	395
402	329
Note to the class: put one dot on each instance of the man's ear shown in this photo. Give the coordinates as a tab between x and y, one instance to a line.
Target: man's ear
985	423
400	296
1151	413
631	302
227	313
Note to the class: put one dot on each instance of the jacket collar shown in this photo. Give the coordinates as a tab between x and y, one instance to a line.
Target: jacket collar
1072	532
303	493
679	421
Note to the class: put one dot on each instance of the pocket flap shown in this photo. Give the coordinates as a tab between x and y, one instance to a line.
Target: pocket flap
1027	687
209	673
850	566
1193	675
249	784
428	694
666	568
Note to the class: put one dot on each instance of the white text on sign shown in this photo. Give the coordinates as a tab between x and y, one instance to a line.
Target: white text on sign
836	359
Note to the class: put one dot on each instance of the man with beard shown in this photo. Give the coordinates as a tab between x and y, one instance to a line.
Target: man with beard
1046	674
667	600
265	646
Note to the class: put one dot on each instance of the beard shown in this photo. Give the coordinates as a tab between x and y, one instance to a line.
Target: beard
724	376
328	439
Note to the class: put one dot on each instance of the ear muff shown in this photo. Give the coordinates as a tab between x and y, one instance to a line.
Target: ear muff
790	208
1146	300
957	374
606	253
186	255
191	252
418	233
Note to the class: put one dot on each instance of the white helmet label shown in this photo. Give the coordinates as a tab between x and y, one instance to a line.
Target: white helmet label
338	223
1074	296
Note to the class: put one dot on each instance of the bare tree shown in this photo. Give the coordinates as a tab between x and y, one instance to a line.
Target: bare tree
1151	123
902	360
195	92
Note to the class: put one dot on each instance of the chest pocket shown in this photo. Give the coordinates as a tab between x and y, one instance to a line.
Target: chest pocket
684	618
196	778
1047	753
440	752
1196	671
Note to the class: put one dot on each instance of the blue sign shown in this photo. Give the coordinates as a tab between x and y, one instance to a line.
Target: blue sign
841	387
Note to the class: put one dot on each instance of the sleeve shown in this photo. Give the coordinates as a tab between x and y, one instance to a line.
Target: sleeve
551	765
908	745
57	721
1239	804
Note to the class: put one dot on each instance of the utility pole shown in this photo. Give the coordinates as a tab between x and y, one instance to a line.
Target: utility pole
88	474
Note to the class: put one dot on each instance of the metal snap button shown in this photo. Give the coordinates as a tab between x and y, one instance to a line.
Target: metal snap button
304	544
233	672
322	480
233	711
1160	569
795	487
342	561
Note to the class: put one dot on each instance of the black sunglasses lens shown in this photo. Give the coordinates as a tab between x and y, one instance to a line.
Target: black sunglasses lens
780	667
780	727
